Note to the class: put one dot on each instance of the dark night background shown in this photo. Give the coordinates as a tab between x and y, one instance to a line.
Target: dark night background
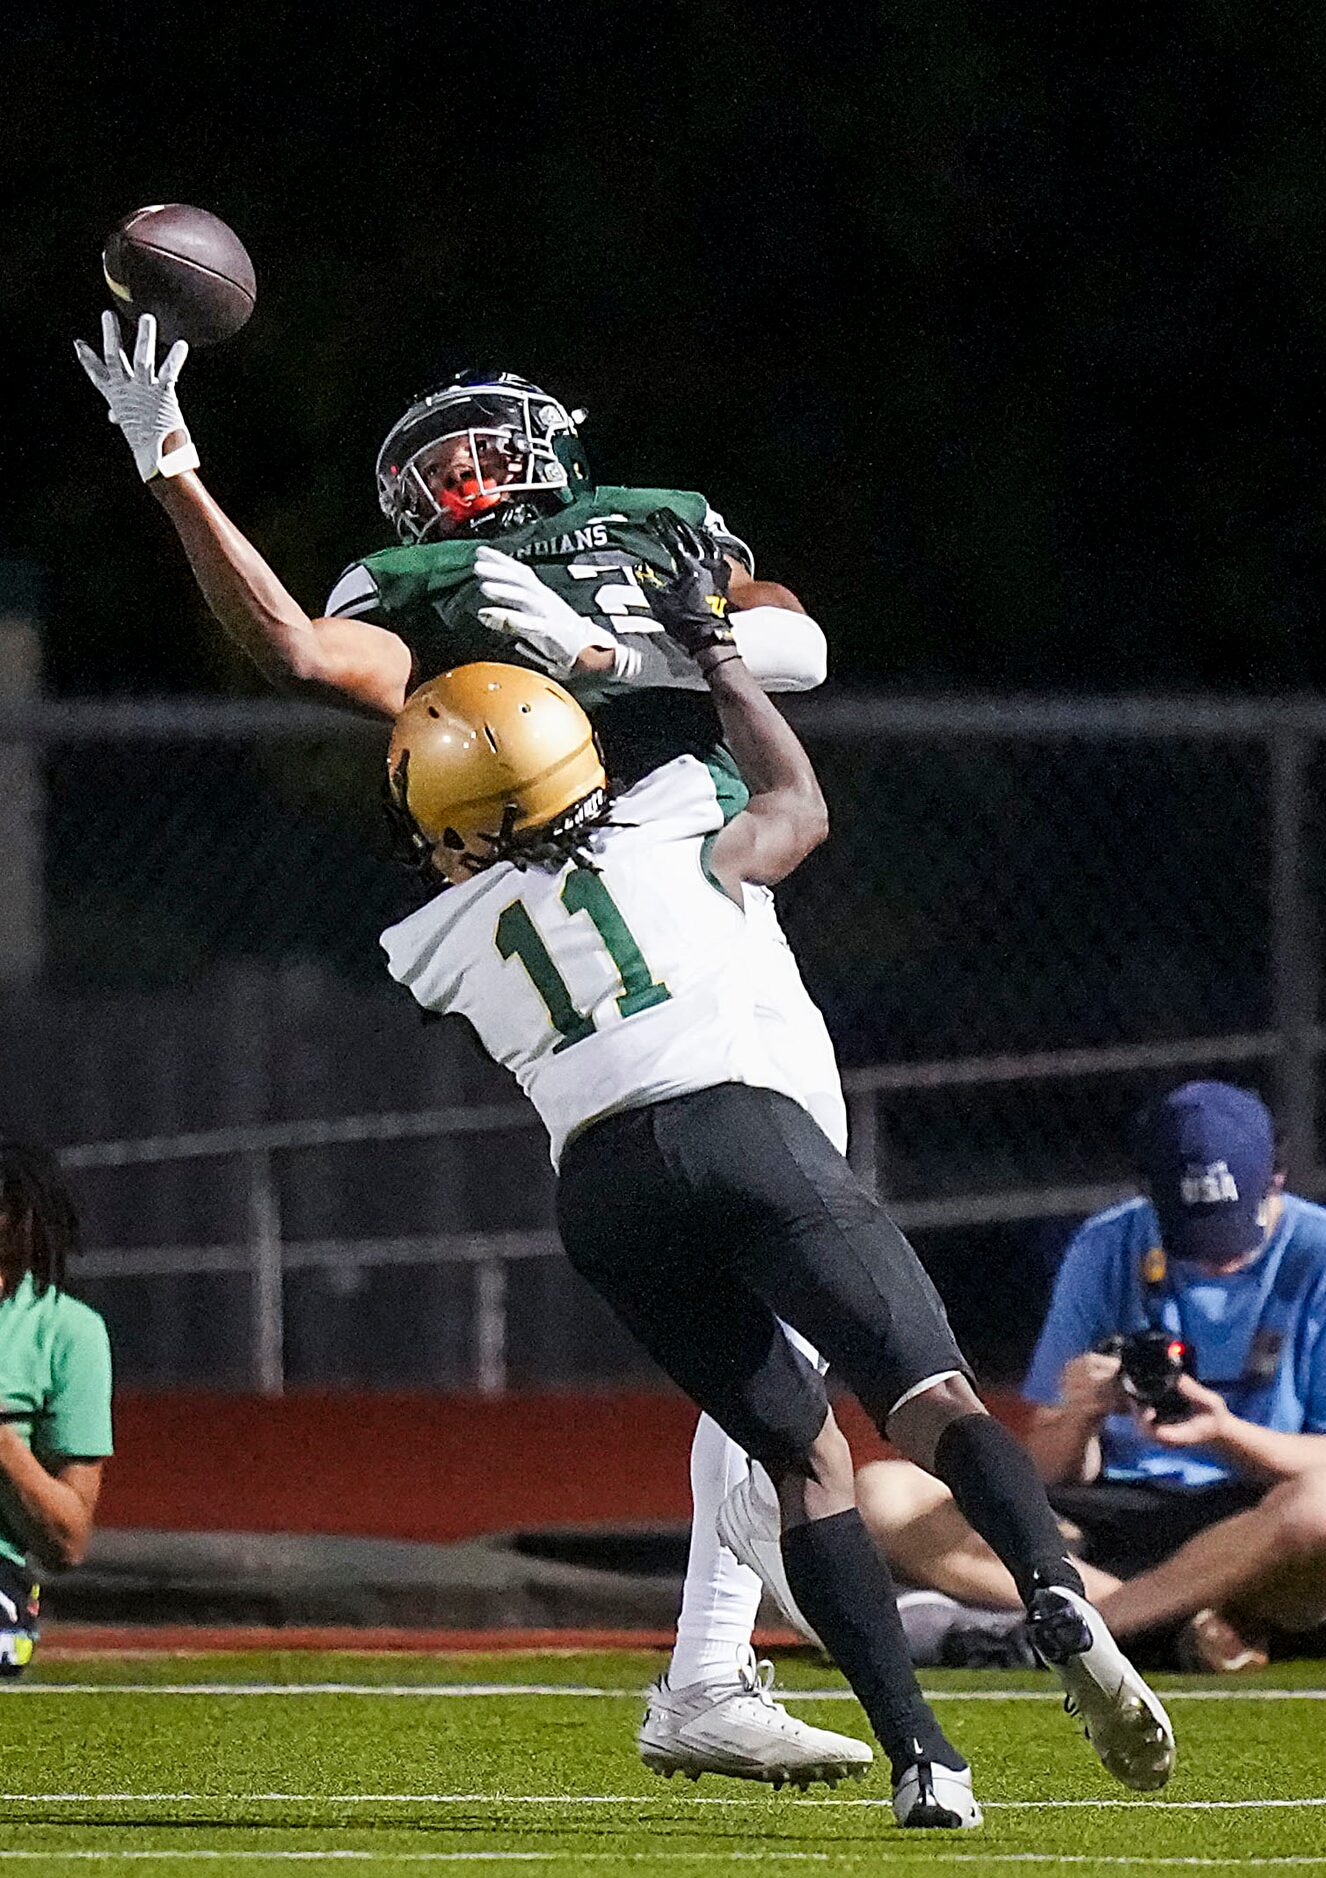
996	329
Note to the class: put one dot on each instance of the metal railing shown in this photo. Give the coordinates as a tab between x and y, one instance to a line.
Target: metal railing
267	1258
1283	738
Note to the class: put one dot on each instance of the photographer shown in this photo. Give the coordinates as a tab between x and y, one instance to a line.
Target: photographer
55	1394
1179	1385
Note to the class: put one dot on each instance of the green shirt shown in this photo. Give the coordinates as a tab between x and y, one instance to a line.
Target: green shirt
55	1389
587	552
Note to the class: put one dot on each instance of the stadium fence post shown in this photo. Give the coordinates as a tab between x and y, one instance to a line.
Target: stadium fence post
22	834
490	1358
268	1275
863	1138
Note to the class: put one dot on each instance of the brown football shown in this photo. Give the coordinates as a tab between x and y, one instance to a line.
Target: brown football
185	266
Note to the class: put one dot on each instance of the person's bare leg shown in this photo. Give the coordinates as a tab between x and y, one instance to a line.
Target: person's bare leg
912	1519
944	1427
1230	1562
1293	1598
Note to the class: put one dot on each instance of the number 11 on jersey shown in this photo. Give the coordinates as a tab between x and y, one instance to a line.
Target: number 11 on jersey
583	892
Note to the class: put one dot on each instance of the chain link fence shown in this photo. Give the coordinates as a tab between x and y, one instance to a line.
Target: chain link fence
1028	917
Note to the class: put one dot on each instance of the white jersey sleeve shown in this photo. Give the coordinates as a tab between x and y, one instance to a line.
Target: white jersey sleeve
354	596
608	985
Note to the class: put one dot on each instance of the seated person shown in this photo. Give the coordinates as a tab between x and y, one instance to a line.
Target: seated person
1214	1524
55	1394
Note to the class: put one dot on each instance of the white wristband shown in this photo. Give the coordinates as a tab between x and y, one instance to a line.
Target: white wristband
626	662
174	462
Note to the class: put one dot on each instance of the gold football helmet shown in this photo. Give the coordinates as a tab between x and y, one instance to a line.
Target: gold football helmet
491	763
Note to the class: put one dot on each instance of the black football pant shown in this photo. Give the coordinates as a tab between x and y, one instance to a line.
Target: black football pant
704	1219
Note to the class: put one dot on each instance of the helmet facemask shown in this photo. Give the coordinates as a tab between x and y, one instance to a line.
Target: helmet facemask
510	437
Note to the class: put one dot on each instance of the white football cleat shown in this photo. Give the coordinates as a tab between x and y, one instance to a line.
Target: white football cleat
930	1795
736	1728
1124	1721
749	1523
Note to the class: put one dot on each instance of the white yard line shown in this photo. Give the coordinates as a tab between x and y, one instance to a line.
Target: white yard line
391	1690
207	1854
679	1799
432	1858
470	1690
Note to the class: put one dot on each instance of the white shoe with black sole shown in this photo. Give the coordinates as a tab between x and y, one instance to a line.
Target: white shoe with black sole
930	1795
736	1728
1124	1721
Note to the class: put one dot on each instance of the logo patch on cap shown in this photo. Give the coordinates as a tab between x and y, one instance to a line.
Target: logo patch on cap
1207	1186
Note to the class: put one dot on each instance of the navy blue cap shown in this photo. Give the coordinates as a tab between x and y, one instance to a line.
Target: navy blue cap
1207	1153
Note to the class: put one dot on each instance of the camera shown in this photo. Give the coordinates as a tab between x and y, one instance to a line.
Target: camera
1151	1362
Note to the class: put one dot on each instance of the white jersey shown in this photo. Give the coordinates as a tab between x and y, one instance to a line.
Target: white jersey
623	983
790	1022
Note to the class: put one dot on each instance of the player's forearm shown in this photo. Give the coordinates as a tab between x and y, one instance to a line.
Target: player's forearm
1268	1453
245	596
1065	1445
769	754
59	1519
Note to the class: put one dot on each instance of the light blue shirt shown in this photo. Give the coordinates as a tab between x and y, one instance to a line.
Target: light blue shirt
1258	1335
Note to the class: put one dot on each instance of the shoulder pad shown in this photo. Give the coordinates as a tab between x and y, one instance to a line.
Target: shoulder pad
637	503
419	559
412	575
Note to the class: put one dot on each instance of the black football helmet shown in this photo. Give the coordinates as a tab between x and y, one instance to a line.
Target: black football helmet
506	419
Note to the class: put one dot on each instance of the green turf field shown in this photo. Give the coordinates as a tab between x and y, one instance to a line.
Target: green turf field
281	1762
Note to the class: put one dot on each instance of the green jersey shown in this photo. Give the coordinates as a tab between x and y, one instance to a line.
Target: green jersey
55	1389
587	552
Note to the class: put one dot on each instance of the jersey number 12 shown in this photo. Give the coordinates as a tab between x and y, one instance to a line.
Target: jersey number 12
584	892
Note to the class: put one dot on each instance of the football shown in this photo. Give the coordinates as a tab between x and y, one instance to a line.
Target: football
185	266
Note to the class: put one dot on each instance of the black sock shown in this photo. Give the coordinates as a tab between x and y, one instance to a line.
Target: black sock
846	1592
1000	1495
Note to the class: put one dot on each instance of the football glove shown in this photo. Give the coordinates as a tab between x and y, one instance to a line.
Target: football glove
692	606
141	398
524	609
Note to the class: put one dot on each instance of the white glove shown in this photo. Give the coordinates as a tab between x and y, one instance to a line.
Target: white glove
142	399
539	620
